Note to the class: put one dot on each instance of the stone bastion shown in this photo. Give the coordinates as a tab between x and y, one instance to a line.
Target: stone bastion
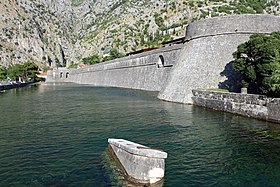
206	59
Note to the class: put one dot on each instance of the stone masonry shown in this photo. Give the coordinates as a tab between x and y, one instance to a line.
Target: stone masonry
208	51
249	105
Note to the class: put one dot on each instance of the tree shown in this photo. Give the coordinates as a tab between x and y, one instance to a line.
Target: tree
92	59
114	53
30	70
23	71
3	73
258	61
15	72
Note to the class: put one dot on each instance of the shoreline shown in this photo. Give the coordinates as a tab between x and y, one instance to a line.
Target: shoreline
13	86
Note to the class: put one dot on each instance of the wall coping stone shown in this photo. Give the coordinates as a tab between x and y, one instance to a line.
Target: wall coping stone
250	105
137	149
263	97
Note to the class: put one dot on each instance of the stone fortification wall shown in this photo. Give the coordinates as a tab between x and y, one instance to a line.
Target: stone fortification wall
145	71
12	86
256	106
58	75
206	59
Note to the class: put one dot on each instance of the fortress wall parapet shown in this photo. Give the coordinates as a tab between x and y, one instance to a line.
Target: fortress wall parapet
227	25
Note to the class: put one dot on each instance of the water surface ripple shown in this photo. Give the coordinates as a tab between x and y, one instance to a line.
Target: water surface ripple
56	135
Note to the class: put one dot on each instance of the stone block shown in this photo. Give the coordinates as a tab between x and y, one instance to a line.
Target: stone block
142	164
274	110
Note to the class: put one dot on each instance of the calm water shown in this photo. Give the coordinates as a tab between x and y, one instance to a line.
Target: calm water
56	135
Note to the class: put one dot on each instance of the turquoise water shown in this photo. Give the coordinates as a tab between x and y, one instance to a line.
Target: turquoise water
56	135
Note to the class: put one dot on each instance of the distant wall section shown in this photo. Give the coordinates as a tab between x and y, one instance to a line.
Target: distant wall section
59	75
144	71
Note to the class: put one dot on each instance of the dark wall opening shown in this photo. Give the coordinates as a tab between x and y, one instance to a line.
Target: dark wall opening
160	61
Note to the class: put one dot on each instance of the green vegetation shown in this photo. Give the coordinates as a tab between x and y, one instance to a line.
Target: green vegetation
142	32
217	90
156	40
245	7
92	59
77	2
257	5
159	21
15	72
73	66
3	73
96	58
25	71
258	61
114	53
46	68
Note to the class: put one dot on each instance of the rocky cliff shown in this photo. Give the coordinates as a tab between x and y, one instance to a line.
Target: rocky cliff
61	32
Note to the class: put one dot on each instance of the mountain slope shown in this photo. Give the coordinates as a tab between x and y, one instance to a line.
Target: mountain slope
61	32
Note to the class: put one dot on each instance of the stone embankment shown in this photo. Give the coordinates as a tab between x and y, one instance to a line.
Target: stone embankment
249	105
12	86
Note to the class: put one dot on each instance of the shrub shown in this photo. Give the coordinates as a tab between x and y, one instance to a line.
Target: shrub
92	59
258	61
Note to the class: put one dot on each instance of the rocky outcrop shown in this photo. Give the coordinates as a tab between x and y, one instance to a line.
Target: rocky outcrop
30	30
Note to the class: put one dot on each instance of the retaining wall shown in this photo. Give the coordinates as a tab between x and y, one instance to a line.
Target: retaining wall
206	59
145	71
250	105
